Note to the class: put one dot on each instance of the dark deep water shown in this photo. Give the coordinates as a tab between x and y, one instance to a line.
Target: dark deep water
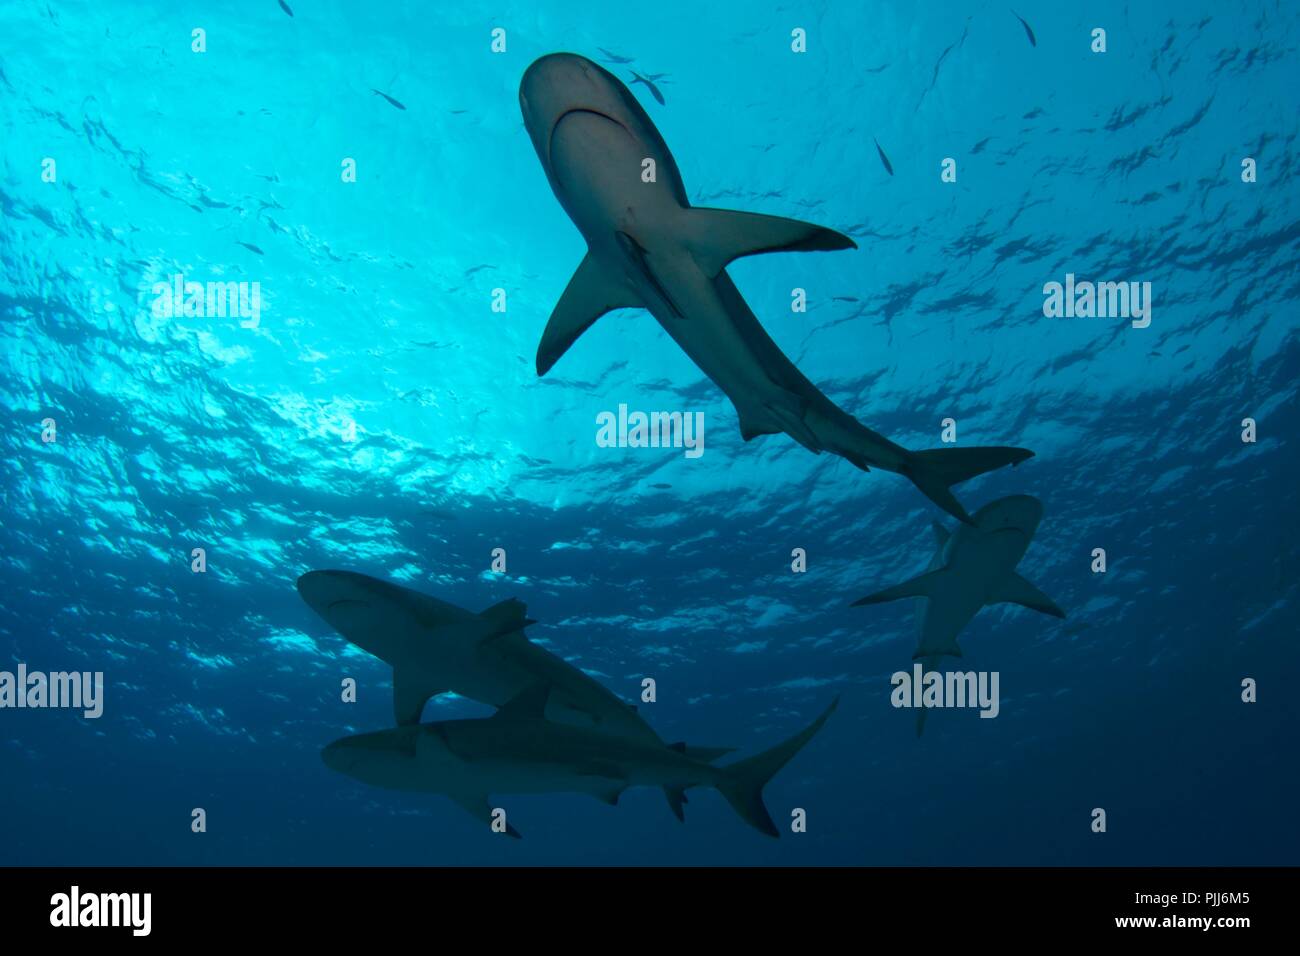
381	417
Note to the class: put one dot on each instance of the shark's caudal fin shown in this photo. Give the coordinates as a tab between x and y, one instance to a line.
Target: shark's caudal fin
931	664
935	470
717	236
590	294
742	782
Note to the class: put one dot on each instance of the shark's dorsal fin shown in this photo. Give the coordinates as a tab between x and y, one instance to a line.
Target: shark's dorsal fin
717	236
590	294
410	696
1016	590
941	534
924	585
528	704
507	616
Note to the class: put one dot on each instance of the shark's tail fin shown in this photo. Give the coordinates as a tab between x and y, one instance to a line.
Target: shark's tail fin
743	782
931	664
935	470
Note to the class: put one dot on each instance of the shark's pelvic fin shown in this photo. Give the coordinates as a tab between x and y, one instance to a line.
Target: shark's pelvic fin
610	795
409	697
1016	590
528	704
676	797
590	294
715	237
785	414
742	782
923	585
479	807
935	470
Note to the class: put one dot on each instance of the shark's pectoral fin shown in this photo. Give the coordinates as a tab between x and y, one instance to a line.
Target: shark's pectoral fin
1016	590
717	236
528	704
925	585
410	694
479	806
590	294
707	754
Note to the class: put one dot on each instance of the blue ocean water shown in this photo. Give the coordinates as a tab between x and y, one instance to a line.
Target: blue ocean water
382	417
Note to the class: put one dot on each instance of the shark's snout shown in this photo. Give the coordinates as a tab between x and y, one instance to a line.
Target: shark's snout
340	756
561	83
1022	512
324	590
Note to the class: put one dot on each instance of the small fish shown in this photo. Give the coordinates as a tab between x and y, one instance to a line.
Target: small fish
661	485
1028	32
614	57
250	247
389	98
649	83
285	7
883	158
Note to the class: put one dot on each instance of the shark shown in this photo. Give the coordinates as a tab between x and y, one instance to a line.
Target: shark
971	569
649	248
435	647
518	751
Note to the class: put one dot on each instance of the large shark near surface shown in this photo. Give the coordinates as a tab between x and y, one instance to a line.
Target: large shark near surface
435	647
519	751
971	568
648	248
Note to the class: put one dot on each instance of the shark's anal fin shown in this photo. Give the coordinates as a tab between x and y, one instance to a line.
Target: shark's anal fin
717	236
924	585
1016	590
409	697
591	293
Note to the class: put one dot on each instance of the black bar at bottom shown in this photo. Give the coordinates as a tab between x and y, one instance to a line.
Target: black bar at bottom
335	905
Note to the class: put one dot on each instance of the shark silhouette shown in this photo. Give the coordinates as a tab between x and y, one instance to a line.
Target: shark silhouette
972	568
518	751
435	647
648	248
